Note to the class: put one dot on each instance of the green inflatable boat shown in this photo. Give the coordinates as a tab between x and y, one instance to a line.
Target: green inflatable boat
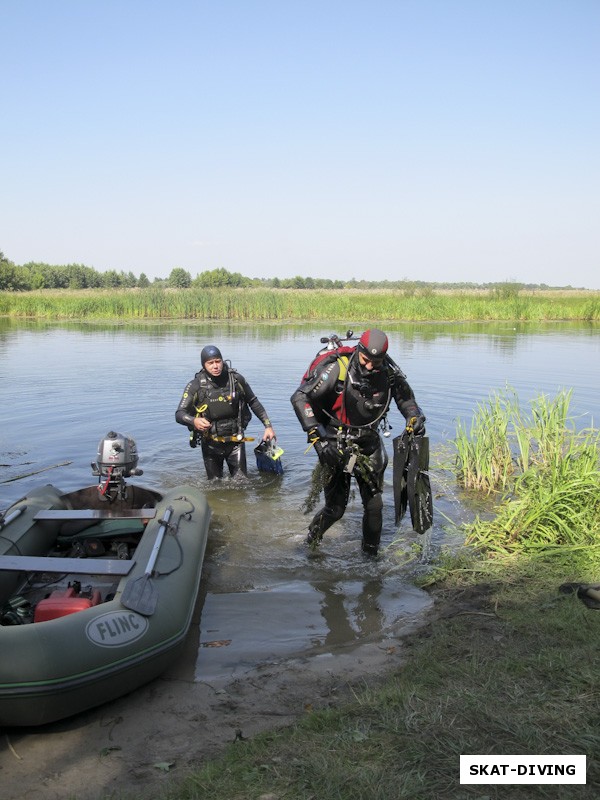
97	588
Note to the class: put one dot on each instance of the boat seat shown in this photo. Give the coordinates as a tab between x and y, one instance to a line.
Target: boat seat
77	566
95	513
103	529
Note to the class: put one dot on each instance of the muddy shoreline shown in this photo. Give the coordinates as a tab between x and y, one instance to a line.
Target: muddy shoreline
147	741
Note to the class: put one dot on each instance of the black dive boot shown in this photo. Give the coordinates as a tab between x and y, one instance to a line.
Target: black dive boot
315	536
370	549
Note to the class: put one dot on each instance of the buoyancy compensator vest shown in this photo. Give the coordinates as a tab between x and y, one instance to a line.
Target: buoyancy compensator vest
224	405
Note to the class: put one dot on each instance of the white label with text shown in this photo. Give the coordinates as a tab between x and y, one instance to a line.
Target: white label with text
522	769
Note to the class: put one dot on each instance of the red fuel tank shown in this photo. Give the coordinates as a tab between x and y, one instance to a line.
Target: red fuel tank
61	603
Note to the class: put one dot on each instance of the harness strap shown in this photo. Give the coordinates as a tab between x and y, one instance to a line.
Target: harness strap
340	406
233	385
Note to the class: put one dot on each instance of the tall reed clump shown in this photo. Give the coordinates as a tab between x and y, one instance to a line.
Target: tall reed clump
484	457
547	471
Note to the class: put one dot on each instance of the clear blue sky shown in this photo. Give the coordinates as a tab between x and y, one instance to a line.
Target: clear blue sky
439	140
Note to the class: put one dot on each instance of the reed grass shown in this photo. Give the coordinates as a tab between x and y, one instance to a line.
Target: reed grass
484	456
306	305
547	471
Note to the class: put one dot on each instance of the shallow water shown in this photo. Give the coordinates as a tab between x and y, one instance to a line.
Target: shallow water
63	387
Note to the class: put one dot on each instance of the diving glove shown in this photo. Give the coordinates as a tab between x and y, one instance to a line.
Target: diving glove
326	450
416	424
328	453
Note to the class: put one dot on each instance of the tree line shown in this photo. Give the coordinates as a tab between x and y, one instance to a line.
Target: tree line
34	275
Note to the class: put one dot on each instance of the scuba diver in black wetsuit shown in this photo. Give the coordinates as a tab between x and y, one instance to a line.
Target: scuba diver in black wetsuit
340	404
216	406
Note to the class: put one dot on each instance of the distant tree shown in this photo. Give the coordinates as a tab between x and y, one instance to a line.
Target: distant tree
238	280
220	277
211	278
12	278
111	279
179	278
505	291
43	276
129	280
76	275
323	283
143	281
36	280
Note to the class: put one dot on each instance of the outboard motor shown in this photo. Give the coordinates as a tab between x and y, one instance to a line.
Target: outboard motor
116	460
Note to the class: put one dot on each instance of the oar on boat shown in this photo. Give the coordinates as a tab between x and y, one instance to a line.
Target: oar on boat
141	594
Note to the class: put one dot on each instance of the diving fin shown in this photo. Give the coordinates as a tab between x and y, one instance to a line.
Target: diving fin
268	457
401	448
420	500
411	483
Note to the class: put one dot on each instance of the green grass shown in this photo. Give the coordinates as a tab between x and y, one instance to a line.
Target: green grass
509	666
306	305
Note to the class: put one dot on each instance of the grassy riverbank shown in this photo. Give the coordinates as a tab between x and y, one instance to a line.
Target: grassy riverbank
506	663
306	305
505	666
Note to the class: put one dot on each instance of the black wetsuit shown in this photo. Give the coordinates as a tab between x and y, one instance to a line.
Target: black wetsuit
228	402
350	401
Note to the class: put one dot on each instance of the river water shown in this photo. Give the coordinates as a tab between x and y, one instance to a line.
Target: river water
64	386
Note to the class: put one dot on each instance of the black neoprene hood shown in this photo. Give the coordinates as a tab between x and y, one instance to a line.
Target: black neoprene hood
209	352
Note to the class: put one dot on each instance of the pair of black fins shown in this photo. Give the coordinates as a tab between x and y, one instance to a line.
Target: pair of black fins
411	480
411	476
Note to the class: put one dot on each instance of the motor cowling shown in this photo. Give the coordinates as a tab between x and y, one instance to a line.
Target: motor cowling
117	456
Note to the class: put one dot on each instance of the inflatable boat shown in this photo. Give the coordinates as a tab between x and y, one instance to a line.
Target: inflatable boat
97	588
